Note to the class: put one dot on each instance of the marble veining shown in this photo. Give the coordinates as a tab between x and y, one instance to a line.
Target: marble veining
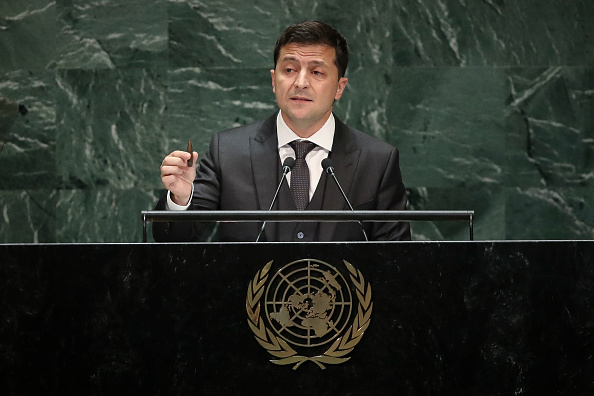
489	102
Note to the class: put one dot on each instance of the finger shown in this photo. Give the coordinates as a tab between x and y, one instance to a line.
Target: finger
174	161
177	172
171	170
172	179
180	154
169	181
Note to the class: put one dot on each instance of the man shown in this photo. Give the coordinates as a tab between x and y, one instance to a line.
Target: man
243	165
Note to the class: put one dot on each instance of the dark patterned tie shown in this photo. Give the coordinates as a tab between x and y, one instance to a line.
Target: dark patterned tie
300	173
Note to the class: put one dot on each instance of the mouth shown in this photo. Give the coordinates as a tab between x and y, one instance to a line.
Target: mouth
300	99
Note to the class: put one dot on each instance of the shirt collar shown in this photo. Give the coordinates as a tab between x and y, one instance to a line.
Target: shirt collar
324	137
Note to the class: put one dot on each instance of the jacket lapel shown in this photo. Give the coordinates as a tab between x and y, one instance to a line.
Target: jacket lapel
345	158
264	154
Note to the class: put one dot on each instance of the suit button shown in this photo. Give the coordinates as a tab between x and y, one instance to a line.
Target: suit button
300	235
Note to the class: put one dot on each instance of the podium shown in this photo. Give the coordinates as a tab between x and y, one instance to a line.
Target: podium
447	318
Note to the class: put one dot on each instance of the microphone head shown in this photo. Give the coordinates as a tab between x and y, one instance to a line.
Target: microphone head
289	163
327	165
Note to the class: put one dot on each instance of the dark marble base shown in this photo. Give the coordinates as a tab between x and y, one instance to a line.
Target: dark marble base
472	318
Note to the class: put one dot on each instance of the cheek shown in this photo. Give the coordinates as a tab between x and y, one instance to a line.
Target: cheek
280	86
333	93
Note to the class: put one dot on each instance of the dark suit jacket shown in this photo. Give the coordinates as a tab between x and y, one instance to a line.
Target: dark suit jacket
242	169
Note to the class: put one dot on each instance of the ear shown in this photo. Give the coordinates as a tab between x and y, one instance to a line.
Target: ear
272	76
341	85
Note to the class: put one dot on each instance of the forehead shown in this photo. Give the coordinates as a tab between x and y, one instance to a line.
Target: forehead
319	53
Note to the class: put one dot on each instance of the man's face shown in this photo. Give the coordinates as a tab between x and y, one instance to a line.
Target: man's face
305	83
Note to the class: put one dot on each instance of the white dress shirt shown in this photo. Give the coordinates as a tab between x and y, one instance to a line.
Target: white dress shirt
323	138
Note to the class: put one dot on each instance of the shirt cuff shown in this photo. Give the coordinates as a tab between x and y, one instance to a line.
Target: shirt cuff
173	206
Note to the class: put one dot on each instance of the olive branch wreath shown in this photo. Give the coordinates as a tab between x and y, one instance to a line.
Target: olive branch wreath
280	349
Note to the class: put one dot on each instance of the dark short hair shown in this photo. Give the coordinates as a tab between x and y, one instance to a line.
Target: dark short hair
315	32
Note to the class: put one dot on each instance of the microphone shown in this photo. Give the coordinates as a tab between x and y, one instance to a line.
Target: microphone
288	164
327	166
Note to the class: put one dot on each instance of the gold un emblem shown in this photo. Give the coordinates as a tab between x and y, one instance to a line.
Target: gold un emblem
304	311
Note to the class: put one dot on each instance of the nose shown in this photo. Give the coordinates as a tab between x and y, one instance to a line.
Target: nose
301	80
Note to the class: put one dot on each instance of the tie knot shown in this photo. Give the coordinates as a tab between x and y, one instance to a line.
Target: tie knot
302	148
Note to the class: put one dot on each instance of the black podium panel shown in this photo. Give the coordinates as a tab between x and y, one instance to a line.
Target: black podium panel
467	318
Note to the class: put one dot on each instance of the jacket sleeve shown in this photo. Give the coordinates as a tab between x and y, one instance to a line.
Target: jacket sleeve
392	196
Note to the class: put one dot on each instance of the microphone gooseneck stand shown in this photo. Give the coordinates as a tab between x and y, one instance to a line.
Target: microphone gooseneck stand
288	164
327	166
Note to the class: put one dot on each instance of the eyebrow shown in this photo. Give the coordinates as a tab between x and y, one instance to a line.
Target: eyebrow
313	62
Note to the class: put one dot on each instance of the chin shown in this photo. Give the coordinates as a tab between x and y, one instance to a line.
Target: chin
300	117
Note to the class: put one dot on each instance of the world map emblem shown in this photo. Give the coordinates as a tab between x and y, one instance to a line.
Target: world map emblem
309	310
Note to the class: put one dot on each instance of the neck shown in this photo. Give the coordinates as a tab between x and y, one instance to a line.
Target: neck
305	129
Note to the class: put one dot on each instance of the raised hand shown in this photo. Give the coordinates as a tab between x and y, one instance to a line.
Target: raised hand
178	177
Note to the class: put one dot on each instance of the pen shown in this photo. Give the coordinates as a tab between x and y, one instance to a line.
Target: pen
189	150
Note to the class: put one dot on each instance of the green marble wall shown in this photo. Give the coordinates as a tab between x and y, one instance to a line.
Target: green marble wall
490	103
